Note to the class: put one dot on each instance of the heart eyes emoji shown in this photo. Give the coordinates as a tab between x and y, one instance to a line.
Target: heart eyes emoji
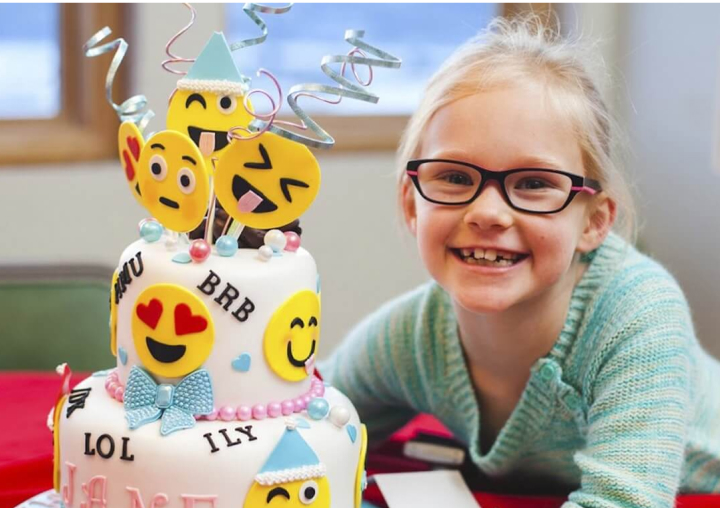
185	322
150	313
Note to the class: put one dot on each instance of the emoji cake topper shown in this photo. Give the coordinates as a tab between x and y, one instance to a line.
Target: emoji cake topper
218	148
293	473
209	99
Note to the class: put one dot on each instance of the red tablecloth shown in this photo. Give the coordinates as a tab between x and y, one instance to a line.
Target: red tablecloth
26	447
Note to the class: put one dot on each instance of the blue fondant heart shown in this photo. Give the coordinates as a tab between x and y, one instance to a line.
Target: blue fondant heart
242	363
122	354
101	373
182	257
302	423
352	432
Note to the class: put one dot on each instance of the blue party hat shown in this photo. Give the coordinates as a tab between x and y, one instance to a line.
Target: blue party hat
292	459
215	71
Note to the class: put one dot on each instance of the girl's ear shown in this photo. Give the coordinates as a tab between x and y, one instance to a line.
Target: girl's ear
408	205
598	223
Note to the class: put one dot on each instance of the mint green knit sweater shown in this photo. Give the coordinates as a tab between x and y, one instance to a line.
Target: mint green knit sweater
624	410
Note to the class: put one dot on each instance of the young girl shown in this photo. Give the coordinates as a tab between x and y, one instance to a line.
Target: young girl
546	343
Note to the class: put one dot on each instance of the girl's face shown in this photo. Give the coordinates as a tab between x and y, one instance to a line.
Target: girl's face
502	129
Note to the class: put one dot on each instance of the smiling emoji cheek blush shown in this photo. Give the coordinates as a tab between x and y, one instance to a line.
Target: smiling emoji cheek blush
213	400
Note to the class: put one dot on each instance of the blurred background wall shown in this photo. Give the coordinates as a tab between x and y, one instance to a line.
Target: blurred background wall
663	61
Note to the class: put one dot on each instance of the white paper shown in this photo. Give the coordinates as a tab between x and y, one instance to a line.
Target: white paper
428	489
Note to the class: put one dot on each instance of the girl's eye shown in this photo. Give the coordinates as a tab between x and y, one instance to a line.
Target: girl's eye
227	104
308	492
158	167
456	179
186	181
532	184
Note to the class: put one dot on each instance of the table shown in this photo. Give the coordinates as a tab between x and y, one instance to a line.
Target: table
26	451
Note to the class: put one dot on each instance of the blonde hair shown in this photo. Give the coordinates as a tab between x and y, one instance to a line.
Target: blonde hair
514	51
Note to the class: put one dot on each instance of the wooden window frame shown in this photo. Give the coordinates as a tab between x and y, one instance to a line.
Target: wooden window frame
86	127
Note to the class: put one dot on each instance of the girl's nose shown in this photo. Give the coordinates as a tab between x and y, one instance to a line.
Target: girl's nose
489	210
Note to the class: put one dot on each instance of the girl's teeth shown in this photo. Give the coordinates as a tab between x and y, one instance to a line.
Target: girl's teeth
490	255
466	252
479	253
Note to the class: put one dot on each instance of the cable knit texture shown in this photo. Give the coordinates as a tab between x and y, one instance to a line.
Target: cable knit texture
624	410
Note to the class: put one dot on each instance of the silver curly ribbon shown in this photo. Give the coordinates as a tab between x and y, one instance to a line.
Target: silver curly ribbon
346	89
250	9
132	108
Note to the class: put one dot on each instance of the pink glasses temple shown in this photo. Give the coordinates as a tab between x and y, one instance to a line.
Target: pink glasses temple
589	190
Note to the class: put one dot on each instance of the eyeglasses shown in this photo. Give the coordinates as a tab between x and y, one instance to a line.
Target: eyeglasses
448	182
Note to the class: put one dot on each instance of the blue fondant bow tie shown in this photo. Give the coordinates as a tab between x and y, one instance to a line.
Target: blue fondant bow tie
146	401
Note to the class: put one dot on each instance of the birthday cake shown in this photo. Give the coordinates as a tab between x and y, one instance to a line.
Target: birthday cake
214	400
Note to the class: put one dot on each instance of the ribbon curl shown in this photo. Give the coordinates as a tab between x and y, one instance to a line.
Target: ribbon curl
132	108
346	89
173	59
250	9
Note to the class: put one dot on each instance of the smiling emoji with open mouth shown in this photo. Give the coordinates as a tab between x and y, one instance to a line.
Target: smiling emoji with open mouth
266	182
172	330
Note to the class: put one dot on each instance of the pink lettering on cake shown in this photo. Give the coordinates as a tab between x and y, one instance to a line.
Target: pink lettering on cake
189	500
136	501
68	491
91	492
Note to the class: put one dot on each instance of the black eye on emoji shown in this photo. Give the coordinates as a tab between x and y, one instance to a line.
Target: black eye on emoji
186	181
285	184
277	491
158	167
226	104
196	97
308	492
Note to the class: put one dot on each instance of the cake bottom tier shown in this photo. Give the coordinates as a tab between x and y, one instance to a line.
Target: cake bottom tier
292	461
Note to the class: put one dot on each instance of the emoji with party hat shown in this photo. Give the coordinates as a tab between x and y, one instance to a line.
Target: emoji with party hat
293	473
208	101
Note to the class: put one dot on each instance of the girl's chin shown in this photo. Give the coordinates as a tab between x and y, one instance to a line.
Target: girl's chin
482	302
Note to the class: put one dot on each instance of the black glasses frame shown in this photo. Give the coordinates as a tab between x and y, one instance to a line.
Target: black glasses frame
579	183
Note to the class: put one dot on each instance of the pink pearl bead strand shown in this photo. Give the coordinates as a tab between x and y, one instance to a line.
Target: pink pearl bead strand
243	413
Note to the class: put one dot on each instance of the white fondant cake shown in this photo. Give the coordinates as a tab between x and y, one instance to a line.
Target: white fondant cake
213	401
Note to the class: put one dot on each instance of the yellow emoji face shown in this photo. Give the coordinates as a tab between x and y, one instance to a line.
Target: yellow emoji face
130	144
193	113
174	181
360	479
297	494
172	330
266	182
113	314
291	336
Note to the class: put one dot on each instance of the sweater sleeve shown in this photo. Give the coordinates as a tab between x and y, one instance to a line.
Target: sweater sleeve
639	409
372	366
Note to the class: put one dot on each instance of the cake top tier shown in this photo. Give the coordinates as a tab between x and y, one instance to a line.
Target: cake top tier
252	325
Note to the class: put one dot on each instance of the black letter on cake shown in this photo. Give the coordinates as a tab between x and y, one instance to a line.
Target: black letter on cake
227	439
124	455
213	448
88	451
243	312
104	437
77	400
227	293
124	277
246	431
209	285
137	272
